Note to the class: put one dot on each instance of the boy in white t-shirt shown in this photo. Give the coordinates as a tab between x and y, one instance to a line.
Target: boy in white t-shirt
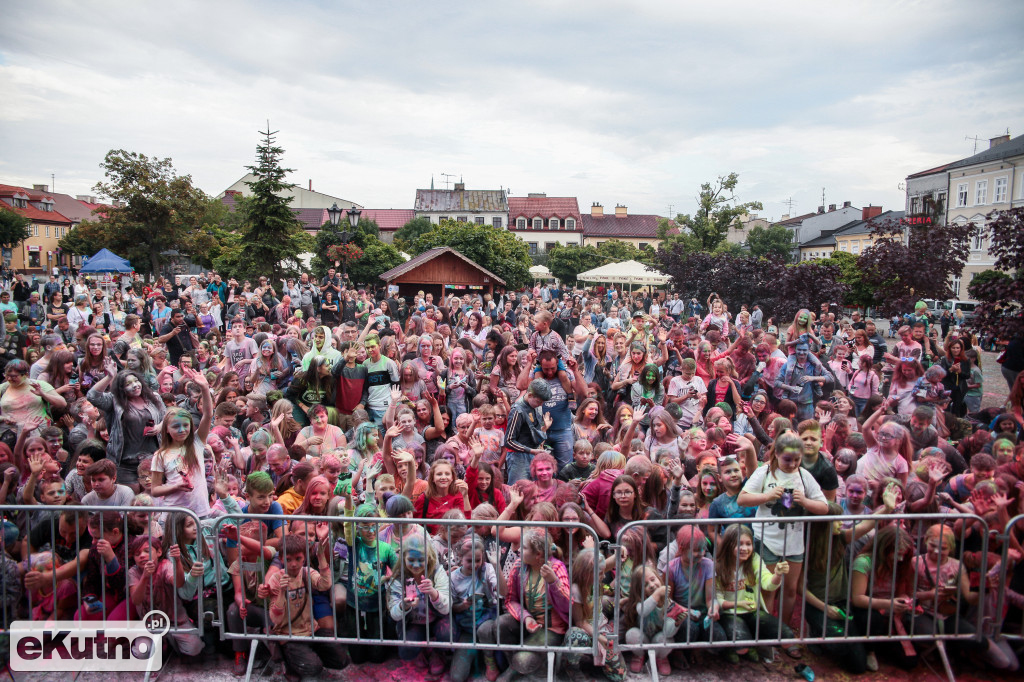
690	392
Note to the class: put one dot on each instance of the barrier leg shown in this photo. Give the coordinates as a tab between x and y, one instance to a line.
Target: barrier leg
252	659
551	666
941	646
653	661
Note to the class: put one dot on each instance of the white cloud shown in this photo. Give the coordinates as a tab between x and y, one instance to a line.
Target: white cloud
634	103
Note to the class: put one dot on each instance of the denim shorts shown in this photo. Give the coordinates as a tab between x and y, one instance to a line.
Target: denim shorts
770	557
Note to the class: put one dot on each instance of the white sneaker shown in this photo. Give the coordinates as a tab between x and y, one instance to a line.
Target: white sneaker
872	662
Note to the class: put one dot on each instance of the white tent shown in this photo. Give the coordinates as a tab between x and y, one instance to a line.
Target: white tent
627	272
541	272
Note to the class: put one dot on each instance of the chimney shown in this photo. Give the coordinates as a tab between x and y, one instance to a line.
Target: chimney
993	142
869	212
831	207
460	187
620	211
596	210
821	209
537	195
847	204
86	198
311	184
232	193
785	216
46	188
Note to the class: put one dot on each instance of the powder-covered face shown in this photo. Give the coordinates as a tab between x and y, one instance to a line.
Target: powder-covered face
802	349
133	387
415	561
179	427
133	362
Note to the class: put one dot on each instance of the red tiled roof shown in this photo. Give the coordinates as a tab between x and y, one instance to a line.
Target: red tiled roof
543	207
311	218
387	219
31	212
631	226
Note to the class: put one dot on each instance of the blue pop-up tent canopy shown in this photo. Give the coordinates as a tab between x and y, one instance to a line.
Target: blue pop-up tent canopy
106	260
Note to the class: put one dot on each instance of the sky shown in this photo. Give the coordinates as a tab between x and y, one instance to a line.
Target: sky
634	103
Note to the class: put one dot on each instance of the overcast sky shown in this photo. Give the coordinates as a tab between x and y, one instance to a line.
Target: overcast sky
618	102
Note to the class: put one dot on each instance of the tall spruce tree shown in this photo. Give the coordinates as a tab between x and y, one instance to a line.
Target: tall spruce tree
272	237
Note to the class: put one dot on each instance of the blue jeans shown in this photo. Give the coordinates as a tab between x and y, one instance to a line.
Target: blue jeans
561	443
377	417
517	466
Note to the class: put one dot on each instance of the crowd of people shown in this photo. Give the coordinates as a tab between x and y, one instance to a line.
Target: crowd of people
308	397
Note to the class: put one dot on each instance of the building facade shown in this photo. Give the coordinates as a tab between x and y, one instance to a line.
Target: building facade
479	206
302	198
544	222
967	191
40	253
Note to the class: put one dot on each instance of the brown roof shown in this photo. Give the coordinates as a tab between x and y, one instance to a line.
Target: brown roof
461	200
429	255
631	226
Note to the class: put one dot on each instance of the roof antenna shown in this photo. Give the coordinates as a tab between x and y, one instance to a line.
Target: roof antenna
789	204
975	138
447	179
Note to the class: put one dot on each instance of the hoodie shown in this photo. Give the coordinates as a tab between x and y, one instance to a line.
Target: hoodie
326	349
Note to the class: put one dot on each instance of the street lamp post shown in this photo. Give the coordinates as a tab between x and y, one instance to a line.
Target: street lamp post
334	213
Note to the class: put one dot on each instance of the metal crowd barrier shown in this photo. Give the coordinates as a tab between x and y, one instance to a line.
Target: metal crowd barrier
1010	630
917	628
379	636
895	630
71	586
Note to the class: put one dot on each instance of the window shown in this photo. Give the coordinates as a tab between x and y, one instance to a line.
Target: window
463	219
520	223
553	223
20	203
47	230
915	205
978	242
940	201
956	287
999	195
538	223
533	248
961	195
549	245
642	245
855	248
33	259
570	223
479	220
442	219
599	244
981	193
497	222
46	206
842	246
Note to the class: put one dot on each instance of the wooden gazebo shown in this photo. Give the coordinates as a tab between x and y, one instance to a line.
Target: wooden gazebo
440	271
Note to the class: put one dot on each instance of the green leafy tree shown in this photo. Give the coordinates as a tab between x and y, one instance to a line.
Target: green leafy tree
271	237
567	261
776	241
13	228
154	210
985	278
329	235
407	234
500	251
858	294
378	257
717	211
